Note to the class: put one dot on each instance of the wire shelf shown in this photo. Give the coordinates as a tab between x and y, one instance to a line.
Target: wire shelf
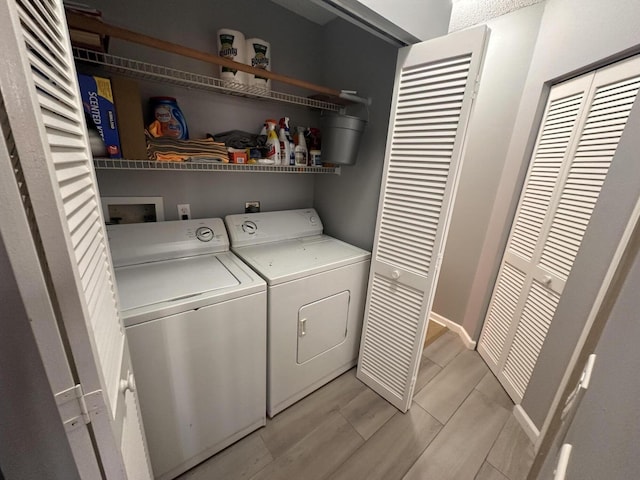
121	164
150	71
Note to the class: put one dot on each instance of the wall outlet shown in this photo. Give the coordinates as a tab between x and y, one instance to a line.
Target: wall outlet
184	211
251	207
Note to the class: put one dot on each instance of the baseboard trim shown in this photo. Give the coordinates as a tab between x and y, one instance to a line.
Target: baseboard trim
525	422
455	328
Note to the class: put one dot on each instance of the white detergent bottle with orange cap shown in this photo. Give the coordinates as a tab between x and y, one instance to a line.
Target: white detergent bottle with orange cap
273	143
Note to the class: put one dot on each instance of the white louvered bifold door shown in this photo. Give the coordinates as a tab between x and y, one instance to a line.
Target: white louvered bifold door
40	92
580	130
433	95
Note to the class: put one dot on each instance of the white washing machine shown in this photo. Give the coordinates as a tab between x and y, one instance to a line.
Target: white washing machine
195	319
316	295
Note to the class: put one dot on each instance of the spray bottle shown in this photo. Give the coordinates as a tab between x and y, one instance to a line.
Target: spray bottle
273	143
286	151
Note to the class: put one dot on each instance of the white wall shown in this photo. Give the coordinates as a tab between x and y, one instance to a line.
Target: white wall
508	55
466	13
574	36
33	444
424	19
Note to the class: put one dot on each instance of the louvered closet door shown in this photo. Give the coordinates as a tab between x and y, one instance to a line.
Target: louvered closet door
433	95
39	87
582	125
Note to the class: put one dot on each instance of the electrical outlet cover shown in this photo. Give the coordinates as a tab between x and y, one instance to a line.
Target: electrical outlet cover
251	207
184	211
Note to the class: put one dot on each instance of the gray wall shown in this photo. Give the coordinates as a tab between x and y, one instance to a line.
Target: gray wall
348	203
574	36
508	55
33	444
604	433
295	52
210	194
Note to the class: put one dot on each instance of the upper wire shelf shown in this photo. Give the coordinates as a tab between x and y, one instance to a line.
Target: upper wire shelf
123	164
150	71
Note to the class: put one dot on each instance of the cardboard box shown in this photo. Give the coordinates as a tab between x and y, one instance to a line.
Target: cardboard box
126	95
237	156
97	100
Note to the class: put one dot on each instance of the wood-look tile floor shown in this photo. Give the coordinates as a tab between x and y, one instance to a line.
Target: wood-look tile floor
460	427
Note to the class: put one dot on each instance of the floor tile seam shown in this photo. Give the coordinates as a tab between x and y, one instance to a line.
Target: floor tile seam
364	442
306	435
486	457
339	412
495	440
498	469
284	453
447	363
255	475
461	403
416	404
273	456
418	457
442	369
450	360
428	443
378	431
338	467
264	444
486	396
466	398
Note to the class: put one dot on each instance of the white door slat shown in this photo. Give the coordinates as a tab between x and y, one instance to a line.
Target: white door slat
554	214
432	103
58	175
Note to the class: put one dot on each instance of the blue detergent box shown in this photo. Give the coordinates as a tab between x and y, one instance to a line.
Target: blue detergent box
97	100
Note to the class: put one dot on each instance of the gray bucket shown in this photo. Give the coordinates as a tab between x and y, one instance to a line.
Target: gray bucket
341	136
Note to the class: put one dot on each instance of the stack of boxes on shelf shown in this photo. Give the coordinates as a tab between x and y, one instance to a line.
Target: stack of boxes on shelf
113	104
115	107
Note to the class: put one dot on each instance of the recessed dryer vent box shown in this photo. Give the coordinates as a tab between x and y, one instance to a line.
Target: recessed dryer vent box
119	210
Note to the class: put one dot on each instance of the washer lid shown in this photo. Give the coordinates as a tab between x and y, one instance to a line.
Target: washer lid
293	259
171	280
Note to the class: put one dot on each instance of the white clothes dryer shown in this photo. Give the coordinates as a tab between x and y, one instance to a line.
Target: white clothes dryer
316	291
195	321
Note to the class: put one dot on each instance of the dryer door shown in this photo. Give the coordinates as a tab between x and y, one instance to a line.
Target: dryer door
322	325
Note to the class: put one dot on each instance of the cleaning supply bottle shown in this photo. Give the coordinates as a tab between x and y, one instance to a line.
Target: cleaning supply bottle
273	143
301	152
285	141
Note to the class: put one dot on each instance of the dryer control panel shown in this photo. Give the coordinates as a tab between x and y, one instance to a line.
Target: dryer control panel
266	227
136	243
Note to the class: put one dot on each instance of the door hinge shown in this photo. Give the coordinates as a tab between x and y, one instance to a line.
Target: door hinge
76	407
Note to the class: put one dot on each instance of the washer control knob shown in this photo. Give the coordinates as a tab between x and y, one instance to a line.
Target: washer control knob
395	274
249	227
204	234
313	219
